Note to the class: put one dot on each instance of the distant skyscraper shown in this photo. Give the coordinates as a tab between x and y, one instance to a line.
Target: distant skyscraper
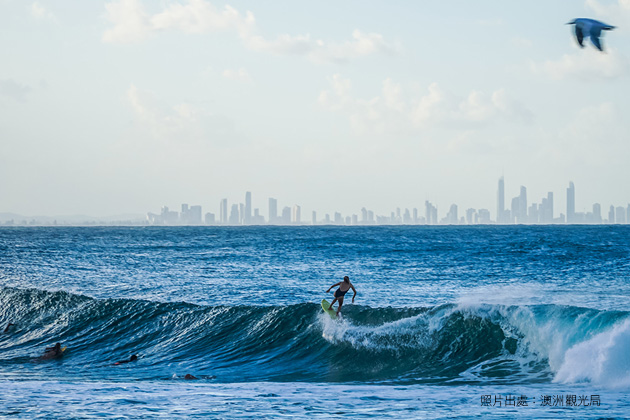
571	203
484	216
514	210
235	218
470	216
194	215
297	214
273	210
620	216
223	211
184	216
611	215
533	215
247	217
451	217
314	218
597	213
407	217
501	202
286	215
522	206
431	213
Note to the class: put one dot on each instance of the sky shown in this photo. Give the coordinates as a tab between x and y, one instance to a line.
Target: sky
125	106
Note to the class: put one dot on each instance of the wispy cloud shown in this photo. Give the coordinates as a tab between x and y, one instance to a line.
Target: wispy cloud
14	90
615	13
398	108
596	135
133	24
240	75
586	64
178	123
40	12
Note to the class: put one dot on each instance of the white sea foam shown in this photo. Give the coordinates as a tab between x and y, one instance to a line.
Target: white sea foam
603	359
411	332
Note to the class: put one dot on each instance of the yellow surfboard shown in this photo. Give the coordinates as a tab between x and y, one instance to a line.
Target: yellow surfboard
331	312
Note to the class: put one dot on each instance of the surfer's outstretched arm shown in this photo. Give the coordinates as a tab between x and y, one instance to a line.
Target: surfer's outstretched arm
334	285
355	292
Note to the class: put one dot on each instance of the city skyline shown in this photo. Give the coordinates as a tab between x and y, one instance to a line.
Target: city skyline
520	212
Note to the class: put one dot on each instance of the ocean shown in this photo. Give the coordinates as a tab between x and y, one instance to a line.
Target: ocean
484	322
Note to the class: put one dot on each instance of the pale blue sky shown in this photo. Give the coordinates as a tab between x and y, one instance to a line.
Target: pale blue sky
124	106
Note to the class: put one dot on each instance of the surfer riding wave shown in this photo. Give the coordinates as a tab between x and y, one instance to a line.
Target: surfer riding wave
344	287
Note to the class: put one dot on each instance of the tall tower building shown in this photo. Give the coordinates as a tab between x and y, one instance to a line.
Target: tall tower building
571	203
522	206
620	216
297	215
286	215
234	215
501	202
597	213
273	210
223	211
515	208
611	215
247	216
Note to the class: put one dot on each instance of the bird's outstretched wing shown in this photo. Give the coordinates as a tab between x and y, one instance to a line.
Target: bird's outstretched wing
579	35
595	33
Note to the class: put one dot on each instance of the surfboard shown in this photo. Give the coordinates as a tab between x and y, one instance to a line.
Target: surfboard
332	312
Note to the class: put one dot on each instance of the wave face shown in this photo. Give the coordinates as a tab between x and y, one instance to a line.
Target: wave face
443	344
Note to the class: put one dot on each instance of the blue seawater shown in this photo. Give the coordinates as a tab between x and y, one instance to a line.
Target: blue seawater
448	322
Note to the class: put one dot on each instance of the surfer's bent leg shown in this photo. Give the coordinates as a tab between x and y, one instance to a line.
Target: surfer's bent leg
340	303
332	303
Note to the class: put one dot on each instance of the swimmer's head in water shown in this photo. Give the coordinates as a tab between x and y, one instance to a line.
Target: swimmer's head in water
133	357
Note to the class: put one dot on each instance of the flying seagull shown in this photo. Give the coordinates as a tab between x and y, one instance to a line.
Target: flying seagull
589	28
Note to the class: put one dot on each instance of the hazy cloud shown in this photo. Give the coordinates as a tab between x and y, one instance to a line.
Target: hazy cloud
586	64
131	24
180	123
522	42
399	108
15	90
614	13
147	110
596	135
240	75
491	22
39	12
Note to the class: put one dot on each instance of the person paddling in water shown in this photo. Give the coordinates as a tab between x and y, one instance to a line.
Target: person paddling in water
344	286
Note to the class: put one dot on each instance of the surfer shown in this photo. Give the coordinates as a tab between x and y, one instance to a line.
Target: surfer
133	358
344	286
53	352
